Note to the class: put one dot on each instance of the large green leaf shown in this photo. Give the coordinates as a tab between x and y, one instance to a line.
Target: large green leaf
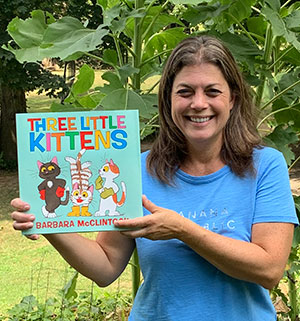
275	20
68	36
287	113
281	138
257	25
155	21
162	41
293	21
292	57
274	4
110	57
243	50
236	12
84	81
113	80
116	16
203	12
125	72
124	99
111	13
29	33
64	39
279	27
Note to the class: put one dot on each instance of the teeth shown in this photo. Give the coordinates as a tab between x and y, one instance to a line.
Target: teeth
200	120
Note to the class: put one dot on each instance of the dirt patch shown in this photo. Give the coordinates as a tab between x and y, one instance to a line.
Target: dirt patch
295	180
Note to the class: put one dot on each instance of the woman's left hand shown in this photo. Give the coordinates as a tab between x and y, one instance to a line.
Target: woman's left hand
161	224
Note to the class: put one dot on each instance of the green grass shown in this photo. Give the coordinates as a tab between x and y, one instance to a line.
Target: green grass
35	267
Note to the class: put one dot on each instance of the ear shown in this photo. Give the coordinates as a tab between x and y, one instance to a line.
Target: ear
40	164
75	186
91	188
111	162
54	160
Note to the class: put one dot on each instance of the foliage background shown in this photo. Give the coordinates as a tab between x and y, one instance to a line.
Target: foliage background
263	35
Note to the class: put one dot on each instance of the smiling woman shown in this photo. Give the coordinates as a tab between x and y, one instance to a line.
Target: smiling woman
211	67
220	206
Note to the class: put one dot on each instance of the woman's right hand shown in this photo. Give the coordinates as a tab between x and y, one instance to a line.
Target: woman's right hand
22	221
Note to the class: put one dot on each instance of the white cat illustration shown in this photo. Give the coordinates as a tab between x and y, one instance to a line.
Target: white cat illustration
108	190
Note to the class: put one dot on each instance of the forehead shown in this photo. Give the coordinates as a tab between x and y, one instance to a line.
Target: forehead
200	73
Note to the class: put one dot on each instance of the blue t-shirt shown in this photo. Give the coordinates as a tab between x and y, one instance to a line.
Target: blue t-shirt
178	283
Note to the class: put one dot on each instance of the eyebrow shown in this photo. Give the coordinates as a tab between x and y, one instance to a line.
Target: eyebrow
183	84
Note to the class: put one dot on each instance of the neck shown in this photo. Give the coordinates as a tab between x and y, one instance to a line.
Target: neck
202	161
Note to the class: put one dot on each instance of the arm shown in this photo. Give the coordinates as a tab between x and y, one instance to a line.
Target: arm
261	261
101	260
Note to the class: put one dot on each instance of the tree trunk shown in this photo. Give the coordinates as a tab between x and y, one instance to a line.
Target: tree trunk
12	101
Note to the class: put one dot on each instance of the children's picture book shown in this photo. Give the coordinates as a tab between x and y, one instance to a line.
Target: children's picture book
79	171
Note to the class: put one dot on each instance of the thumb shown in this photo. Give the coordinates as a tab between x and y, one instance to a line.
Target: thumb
148	205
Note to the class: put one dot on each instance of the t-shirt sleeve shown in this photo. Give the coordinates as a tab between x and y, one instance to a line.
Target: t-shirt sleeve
274	200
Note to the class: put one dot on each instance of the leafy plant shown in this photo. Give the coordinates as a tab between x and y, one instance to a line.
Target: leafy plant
69	305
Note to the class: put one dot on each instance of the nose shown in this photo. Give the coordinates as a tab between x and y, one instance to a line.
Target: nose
200	100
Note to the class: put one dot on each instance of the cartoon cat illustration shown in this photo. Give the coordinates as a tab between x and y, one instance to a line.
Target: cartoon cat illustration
51	189
82	192
108	189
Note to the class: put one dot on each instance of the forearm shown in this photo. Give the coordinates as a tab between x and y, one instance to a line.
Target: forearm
239	259
86	256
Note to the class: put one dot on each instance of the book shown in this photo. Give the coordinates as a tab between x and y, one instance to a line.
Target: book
79	171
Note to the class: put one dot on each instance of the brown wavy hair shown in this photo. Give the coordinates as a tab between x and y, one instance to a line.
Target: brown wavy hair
239	136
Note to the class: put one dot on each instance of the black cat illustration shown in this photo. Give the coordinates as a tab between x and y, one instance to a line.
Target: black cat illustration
51	189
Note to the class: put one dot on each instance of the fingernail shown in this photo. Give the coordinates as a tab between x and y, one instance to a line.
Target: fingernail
26	207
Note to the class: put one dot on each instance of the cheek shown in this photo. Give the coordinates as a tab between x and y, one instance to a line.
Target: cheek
176	110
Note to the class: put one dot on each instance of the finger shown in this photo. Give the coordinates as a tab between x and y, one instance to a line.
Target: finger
134	234
20	205
20	217
22	226
133	223
151	207
33	237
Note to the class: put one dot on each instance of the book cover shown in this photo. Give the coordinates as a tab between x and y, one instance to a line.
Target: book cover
79	171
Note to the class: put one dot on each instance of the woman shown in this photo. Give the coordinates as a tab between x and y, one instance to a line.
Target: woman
221	211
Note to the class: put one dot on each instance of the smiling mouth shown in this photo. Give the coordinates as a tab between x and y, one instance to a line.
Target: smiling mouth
199	119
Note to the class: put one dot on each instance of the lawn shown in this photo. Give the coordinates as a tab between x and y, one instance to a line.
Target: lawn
34	267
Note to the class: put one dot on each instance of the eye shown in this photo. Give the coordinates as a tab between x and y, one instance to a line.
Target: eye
213	92
43	169
105	168
51	168
85	194
76	193
184	92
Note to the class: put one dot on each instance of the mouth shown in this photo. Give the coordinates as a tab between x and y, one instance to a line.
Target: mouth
197	119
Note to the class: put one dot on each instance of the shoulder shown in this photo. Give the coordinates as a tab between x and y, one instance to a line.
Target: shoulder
144	156
266	152
270	165
265	156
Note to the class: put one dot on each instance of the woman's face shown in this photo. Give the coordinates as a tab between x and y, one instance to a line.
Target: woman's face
201	102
